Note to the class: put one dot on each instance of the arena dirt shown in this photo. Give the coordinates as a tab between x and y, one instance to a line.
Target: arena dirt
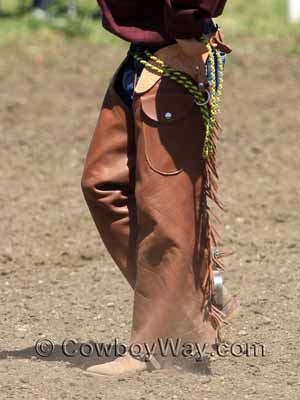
57	280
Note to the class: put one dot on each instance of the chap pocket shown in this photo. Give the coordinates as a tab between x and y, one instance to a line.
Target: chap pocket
172	128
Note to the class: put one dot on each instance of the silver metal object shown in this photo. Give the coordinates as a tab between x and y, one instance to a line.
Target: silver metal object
218	288
206	101
168	115
217	253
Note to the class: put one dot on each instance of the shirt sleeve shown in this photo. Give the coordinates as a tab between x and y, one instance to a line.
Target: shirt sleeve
185	19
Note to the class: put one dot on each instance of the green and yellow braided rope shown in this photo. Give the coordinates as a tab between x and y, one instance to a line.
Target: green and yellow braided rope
209	109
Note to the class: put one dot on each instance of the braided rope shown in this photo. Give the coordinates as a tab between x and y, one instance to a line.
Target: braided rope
209	109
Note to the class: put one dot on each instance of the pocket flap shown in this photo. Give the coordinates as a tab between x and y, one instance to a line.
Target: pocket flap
167	102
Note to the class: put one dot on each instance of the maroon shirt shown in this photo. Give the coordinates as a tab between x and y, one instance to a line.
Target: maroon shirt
158	21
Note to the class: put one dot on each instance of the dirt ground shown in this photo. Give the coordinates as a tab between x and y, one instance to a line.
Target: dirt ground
57	280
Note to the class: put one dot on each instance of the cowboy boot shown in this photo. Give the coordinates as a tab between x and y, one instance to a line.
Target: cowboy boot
126	365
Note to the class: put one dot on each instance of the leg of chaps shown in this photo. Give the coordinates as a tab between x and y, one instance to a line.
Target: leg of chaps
108	182
145	183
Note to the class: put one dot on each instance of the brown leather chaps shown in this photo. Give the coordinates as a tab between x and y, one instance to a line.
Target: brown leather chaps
145	183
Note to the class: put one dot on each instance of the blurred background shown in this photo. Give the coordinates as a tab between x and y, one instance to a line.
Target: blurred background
79	18
56	278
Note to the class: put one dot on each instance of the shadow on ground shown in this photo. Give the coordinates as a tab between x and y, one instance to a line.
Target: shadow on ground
86	354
